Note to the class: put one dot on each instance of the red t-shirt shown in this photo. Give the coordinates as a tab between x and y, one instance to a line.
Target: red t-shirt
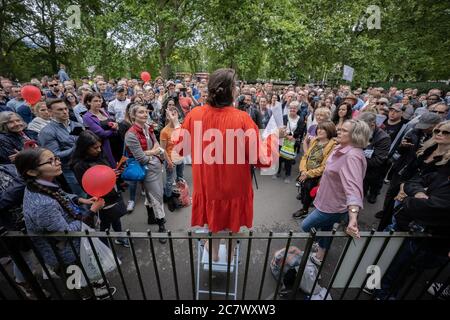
186	103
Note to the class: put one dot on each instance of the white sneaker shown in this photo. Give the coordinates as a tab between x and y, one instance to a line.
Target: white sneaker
287	180
102	292
434	289
146	202
143	193
130	206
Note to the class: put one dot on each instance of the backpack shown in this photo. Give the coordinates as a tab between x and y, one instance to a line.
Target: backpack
293	259
184	199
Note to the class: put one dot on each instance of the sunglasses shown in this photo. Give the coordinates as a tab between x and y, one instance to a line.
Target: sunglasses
444	132
51	161
52	85
381	103
440	112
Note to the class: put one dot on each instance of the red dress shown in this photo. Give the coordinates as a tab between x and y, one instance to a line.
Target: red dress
222	193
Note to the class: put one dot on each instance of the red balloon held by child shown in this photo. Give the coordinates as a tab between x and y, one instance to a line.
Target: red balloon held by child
98	180
145	76
31	94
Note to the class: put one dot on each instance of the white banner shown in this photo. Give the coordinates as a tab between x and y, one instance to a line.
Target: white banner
348	73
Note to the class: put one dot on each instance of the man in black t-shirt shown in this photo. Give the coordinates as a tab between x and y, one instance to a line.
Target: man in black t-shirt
395	120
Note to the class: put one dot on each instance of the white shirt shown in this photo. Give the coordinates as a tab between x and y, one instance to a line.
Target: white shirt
118	108
292	124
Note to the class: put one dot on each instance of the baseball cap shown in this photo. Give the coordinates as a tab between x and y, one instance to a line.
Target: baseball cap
397	107
170	83
385	100
427	120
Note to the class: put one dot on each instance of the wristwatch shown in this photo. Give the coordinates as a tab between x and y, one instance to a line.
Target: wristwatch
354	210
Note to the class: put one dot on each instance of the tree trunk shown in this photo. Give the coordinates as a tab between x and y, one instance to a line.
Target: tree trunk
163	57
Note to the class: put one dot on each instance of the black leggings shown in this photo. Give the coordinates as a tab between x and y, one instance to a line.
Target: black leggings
305	190
287	166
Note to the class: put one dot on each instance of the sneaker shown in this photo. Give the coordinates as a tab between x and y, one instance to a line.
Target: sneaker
143	193
379	214
275	177
122	242
314	260
130	206
101	293
434	289
300	214
287	180
146	202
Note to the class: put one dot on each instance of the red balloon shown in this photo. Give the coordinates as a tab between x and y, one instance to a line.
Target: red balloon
31	94
98	180
145	76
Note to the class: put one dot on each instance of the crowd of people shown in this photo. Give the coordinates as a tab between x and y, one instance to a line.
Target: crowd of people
346	143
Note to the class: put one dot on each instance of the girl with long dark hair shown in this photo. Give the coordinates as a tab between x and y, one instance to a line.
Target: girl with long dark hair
88	153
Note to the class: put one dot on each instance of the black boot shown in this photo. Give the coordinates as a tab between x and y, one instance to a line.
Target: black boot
171	204
162	228
151	215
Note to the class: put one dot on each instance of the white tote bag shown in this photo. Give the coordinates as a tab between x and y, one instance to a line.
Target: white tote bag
87	257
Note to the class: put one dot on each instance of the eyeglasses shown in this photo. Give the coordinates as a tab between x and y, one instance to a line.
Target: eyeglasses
51	161
380	103
444	132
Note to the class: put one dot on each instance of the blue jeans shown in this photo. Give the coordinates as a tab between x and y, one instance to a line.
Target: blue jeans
179	169
323	221
73	183
132	187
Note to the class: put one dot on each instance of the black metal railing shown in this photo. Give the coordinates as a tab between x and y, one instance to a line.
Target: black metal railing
150	270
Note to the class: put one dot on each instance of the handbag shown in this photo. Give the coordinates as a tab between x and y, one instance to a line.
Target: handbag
288	150
133	171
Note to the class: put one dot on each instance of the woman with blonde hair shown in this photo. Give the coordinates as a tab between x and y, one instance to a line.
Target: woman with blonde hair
340	195
42	117
141	144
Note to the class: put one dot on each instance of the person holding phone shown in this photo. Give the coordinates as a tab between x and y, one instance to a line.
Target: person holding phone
59	136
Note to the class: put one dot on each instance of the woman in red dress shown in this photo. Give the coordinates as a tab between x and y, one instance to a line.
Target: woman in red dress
224	143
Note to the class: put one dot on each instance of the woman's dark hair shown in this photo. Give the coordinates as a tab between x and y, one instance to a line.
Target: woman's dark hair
67	102
348	115
329	127
29	159
220	88
89	97
85	140
269	97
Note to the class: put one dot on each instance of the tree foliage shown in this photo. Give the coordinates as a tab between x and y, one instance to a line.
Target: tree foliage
284	39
